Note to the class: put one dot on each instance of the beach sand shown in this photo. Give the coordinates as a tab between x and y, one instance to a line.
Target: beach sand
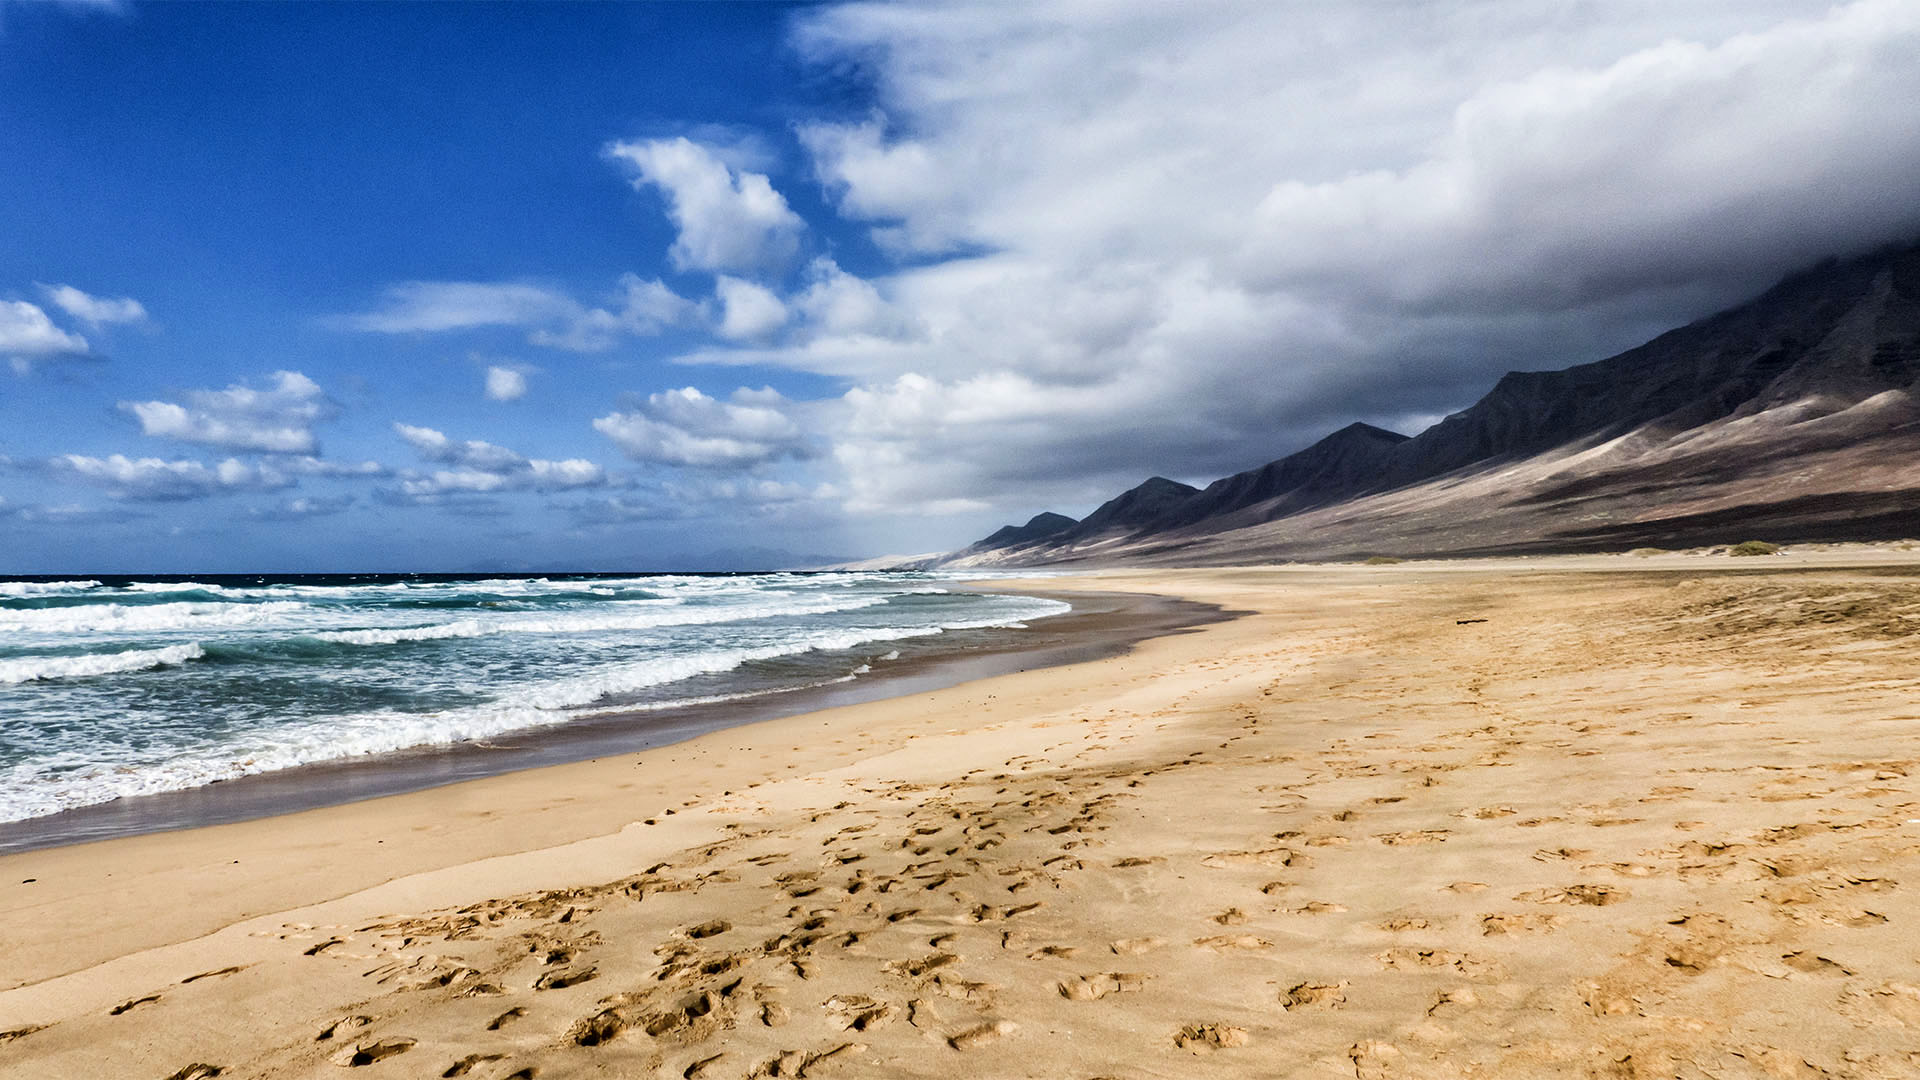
1560	817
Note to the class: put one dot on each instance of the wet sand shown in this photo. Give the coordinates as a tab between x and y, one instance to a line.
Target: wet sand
1506	818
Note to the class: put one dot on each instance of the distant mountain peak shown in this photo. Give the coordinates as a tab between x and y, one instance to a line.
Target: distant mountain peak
1038	527
1134	507
1361	429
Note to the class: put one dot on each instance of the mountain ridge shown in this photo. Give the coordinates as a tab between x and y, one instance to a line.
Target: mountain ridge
1787	412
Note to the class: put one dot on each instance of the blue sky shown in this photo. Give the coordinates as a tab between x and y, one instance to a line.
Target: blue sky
440	286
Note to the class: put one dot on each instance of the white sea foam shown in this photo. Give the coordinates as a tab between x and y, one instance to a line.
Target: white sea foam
135	752
147	618
44	588
595	622
22	669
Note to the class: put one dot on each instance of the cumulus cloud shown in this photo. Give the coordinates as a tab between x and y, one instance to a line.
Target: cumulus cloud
477	467
835	303
687	427
26	332
1145	239
748	312
552	318
308	465
278	419
471	454
95	310
729	219
152	479
505	383
898	181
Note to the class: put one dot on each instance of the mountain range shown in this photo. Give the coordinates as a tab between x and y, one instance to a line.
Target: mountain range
1790	417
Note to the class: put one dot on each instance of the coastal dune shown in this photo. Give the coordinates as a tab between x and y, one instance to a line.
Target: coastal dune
1585	816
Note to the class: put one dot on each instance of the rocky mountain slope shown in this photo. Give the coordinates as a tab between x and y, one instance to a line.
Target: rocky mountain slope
1792	416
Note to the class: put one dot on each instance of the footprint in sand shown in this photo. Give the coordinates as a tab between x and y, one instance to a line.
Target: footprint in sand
343	1025
1374	1060
1098	985
1224	942
500	1021
214	974
1520	923
982	1034
1206	1038
560	980
858	1012
1810	964
1593	895
1331	995
800	1063
1404	923
354	1057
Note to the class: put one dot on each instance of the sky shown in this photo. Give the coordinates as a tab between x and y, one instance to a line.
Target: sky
334	287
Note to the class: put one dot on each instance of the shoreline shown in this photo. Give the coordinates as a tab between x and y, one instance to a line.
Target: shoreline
295	857
1530	818
1099	625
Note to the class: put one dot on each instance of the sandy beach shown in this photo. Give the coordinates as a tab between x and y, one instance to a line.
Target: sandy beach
1595	816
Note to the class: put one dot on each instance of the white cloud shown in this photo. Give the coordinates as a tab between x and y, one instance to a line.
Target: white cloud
1675	163
95	310
536	475
551	318
505	384
25	332
313	466
477	467
158	480
472	454
647	306
432	306
729	219
748	312
687	427
838	304
900	181
1187	239
279	419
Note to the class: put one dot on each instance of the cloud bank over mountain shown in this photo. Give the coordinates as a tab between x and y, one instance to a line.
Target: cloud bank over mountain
1150	238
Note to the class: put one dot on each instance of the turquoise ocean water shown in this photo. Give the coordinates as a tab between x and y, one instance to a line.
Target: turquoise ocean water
112	687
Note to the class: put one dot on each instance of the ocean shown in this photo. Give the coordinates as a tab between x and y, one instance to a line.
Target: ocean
113	687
